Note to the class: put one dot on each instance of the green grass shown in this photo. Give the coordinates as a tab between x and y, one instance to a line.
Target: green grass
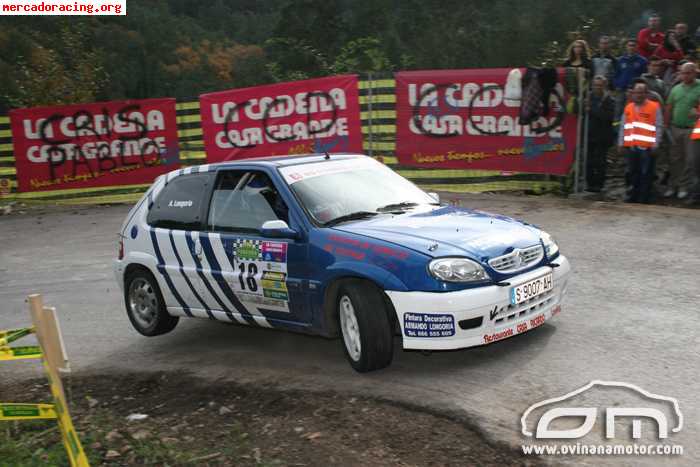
34	443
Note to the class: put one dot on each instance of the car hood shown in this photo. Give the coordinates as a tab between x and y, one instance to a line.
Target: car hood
449	231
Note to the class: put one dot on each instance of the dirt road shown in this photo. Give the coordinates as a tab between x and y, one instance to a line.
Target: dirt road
631	315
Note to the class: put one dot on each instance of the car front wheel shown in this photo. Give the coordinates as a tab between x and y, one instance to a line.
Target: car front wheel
365	327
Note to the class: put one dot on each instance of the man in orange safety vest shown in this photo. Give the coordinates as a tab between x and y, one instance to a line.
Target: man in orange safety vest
641	130
695	147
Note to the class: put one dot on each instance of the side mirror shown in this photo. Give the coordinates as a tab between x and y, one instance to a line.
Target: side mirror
277	229
435	196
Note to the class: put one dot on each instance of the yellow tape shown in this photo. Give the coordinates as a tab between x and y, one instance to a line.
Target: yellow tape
14	331
388	160
8	171
20	352
86	200
118	198
190	132
189	118
377	83
380	129
14	411
379	99
187	155
71	442
13	334
4	119
195	145
379	146
49	334
187	105
491	186
377	114
48	194
445	173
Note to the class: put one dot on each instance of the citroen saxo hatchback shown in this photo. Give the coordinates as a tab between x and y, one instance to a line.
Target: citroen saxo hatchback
334	245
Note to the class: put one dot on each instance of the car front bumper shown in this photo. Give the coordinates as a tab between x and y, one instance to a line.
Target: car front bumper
478	316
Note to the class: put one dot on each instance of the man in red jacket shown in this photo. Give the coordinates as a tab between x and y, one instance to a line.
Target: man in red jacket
649	39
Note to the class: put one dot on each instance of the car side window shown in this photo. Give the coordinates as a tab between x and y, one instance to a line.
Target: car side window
243	201
179	204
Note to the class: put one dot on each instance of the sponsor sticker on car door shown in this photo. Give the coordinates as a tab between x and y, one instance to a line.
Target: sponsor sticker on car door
261	273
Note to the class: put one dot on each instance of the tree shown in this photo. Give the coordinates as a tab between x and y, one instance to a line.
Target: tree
361	55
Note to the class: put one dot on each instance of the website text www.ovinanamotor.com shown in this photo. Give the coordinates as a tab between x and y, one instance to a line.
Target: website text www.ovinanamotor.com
62	7
582	449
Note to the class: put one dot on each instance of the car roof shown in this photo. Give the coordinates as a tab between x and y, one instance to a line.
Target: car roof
286	160
266	161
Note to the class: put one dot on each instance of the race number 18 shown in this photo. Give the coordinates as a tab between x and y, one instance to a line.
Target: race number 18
252	270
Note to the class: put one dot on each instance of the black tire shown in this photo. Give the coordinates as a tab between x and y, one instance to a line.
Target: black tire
142	287
371	320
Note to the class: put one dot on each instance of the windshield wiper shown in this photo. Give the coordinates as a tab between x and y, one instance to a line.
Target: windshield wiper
350	217
397	206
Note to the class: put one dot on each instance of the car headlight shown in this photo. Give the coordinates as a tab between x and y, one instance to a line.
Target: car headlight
550	246
457	270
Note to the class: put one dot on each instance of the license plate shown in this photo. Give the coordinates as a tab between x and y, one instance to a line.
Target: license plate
531	289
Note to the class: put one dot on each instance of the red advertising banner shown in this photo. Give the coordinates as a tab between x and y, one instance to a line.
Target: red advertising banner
469	119
315	115
93	145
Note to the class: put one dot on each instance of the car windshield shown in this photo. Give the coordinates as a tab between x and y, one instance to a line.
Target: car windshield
351	189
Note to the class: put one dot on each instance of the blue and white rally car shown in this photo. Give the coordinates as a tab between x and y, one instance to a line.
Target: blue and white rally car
335	245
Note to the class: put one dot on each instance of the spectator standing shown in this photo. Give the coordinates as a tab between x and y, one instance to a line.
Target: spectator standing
672	75
603	63
654	77
640	133
601	111
681	103
687	44
658	92
630	66
578	55
650	38
670	51
695	148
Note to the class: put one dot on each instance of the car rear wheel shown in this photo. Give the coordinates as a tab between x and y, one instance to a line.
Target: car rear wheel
365	327
145	305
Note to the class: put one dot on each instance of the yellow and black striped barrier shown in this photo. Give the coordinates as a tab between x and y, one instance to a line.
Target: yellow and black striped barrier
50	351
377	94
8	180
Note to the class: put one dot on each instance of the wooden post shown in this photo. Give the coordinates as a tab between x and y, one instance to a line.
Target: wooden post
51	342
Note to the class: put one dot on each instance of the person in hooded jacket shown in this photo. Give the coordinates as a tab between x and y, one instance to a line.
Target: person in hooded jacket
601	136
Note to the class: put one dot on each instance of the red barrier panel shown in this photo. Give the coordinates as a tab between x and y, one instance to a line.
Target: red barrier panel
92	145
298	117
465	119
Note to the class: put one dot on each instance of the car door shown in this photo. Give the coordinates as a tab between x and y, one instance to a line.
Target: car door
260	279
176	214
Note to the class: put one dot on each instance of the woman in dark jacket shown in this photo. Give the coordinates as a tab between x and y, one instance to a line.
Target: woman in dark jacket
578	55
